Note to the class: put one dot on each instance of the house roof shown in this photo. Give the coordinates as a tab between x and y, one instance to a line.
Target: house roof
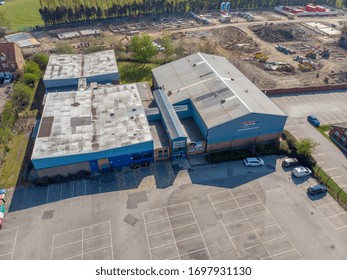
341	125
10	50
218	90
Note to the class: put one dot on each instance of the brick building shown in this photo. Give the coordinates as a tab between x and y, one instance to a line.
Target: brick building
11	58
338	133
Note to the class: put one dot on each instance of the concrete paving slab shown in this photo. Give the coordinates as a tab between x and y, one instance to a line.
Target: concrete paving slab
254	210
130	180
190	245
96	243
6	256
153	215
339	221
198	255
178	209
67	237
95	230
67	190
262	221
245	241
241	191
247	200
331	210
290	255
186	232
182	220
164	252
80	188
102	254
232	216
160	239
108	187
257	252
220	196
269	233
7	246
8	234
131	220
158	226
238	228
54	193
279	245
323	201
67	251
226	206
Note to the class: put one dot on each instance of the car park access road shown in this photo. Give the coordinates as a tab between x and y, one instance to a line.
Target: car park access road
330	108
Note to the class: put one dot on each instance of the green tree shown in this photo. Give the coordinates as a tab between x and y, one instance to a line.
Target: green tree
30	79
33	68
19	100
179	50
42	60
305	147
142	48
166	43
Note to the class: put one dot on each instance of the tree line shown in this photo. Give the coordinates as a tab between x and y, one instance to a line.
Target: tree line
61	11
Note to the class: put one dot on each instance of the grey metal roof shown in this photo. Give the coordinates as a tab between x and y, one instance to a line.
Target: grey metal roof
77	66
342	125
218	90
90	121
170	118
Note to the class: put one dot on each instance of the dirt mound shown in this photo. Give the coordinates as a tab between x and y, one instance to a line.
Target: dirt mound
232	38
279	33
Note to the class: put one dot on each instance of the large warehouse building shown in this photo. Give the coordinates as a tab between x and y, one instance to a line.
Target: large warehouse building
63	71
226	107
201	103
93	130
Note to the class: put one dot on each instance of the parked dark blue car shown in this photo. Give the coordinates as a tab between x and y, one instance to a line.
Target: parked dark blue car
313	120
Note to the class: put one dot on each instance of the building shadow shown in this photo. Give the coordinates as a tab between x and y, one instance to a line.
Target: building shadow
28	196
228	175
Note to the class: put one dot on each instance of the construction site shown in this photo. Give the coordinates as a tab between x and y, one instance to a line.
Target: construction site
272	51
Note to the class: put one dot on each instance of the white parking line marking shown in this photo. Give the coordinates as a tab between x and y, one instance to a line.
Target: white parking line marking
321	154
144	223
203	239
223	201
333	168
7	240
192	252
335	177
242	233
327	204
336	215
166	244
74	257
275	255
320	162
251	204
173	236
275	238
224	227
68	244
166	218
97	250
341	227
109	224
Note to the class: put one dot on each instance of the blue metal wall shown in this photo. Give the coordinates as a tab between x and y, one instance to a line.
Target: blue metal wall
103	79
199	121
117	153
251	125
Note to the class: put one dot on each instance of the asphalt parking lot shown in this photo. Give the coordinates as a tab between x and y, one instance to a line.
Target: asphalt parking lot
330	108
224	212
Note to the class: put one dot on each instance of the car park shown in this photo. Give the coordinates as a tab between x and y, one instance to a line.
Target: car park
290	162
255	161
301	171
317	189
312	119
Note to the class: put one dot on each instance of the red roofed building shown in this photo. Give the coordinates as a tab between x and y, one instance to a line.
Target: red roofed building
11	57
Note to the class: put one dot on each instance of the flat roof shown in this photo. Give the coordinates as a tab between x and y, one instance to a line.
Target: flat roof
191	130
159	135
66	66
22	39
87	121
218	90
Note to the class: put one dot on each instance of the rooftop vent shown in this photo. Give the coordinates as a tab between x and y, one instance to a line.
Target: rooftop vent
112	115
194	64
75	104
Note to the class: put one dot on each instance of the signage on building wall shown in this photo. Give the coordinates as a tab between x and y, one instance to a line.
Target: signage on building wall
249	125
195	147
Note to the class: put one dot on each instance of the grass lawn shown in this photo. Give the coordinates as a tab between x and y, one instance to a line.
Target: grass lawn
11	168
323	129
22	13
132	72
